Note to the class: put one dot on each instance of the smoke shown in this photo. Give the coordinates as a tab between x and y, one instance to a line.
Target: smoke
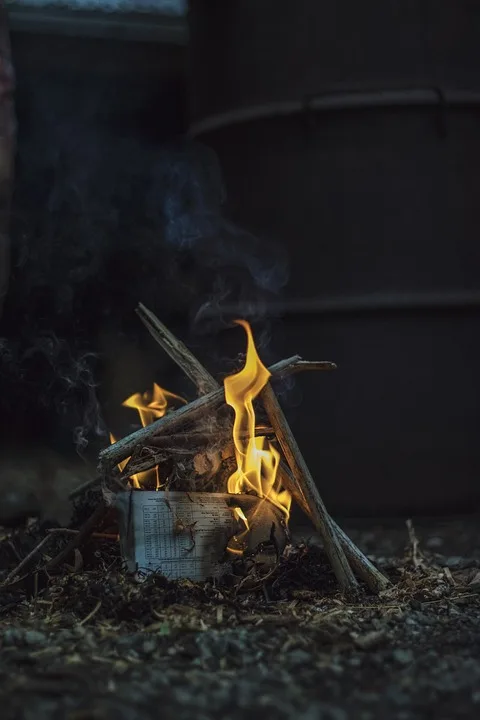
100	222
47	376
232	267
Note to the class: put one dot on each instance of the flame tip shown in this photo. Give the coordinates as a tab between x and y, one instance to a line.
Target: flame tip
257	462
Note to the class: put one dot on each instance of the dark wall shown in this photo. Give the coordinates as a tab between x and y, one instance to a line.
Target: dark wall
376	202
93	117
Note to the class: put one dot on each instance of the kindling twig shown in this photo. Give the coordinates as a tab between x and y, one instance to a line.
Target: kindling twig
23	565
180	354
303	478
71	531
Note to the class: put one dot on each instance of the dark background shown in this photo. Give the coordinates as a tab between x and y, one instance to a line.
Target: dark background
346	230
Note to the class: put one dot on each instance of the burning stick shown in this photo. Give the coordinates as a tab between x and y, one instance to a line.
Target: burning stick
301	473
182	444
190	413
359	563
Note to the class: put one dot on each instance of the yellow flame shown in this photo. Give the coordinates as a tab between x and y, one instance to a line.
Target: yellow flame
150	406
257	460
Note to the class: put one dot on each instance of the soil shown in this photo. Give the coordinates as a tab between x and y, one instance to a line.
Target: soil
91	644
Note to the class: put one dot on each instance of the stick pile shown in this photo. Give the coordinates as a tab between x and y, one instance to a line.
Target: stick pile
346	559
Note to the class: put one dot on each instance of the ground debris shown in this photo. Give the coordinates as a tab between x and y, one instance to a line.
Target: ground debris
89	642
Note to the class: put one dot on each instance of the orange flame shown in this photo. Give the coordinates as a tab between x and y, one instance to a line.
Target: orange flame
257	459
150	406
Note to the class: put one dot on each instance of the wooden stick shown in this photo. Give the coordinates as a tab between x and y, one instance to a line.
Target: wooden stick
301	473
80	489
26	561
186	443
171	422
84	533
95	535
197	438
361	565
180	354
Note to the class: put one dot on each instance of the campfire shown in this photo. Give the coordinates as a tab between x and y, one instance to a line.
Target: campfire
203	485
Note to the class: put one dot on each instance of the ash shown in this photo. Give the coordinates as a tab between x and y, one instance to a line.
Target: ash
92	644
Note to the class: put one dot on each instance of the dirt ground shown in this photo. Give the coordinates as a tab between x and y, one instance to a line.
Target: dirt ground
92	645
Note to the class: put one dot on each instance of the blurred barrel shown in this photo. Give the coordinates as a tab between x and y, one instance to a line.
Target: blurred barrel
351	136
7	150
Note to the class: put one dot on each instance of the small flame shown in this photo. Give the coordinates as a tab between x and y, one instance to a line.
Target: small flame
150	406
257	459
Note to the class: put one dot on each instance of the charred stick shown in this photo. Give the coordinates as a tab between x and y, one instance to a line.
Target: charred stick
95	480
304	480
83	534
179	353
84	487
185	443
198	438
360	564
172	422
70	531
311	366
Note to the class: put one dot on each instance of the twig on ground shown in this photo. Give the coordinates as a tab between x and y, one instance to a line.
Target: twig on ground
23	565
90	614
70	531
417	559
83	534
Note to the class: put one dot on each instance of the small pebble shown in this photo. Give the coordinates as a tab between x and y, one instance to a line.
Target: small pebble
454	562
13	636
299	657
33	637
370	640
404	657
149	646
